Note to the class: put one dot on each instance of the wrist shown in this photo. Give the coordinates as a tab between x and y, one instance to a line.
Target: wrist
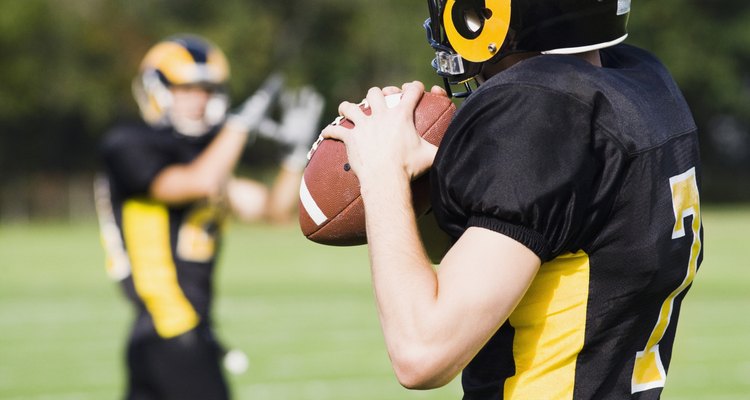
387	186
236	123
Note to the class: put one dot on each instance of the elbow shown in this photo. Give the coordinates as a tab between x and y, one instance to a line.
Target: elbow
202	187
421	369
414	380
180	184
178	195
208	188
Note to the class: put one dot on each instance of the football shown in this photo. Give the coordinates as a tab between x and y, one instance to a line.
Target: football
331	210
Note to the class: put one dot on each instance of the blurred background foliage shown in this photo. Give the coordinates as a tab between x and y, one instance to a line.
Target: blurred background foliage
67	66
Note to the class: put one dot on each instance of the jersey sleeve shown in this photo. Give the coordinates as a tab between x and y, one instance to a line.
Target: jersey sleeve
518	161
132	161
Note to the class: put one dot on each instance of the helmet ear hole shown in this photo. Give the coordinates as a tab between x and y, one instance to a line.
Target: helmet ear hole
476	29
468	20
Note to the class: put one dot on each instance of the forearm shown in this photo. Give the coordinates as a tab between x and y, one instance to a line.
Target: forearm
284	195
434	321
406	288
397	257
220	158
207	175
254	201
247	199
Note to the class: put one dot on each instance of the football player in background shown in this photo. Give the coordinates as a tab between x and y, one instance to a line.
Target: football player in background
167	188
569	181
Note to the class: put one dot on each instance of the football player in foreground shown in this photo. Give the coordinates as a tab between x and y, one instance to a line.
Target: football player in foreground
569	181
167	189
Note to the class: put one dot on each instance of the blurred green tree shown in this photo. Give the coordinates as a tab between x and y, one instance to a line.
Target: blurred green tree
67	65
706	45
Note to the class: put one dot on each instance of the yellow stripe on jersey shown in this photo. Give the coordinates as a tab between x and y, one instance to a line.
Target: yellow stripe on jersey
146	231
549	328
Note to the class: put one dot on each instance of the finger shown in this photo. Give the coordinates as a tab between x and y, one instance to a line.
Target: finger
438	90
412	93
416	86
389	90
336	132
312	96
307	91
351	111
286	100
376	99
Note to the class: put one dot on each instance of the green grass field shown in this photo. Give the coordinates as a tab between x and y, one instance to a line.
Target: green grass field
304	314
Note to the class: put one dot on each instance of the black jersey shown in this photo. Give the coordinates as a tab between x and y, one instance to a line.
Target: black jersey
597	171
164	254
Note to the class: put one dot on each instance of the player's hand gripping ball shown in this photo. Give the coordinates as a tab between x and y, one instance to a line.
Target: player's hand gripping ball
331	210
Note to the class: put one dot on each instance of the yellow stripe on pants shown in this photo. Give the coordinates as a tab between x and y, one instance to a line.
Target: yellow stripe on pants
146	232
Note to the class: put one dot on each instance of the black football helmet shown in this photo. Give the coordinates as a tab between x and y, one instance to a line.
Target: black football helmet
467	33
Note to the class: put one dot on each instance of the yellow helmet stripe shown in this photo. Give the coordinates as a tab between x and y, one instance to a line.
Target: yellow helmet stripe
179	67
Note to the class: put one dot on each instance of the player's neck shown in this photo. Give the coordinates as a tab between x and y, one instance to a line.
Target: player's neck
488	70
592	57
